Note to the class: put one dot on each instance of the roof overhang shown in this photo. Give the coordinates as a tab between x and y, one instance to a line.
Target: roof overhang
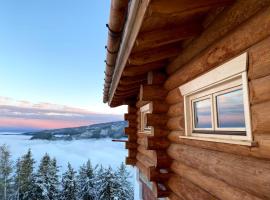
154	33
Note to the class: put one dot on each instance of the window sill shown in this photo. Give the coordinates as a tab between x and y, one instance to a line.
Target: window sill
226	141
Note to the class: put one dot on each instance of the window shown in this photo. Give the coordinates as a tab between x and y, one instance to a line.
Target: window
217	104
143	118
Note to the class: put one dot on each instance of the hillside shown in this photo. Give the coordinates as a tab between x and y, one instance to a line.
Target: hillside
103	130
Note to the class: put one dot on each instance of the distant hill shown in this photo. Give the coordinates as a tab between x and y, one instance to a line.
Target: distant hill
103	130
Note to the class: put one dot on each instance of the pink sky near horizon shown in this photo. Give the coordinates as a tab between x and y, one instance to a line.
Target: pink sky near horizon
28	115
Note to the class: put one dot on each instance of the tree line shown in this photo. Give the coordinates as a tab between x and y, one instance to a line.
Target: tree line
21	181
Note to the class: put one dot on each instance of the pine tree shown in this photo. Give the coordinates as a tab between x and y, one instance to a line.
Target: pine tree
54	180
86	180
42	181
5	172
69	187
107	185
124	189
25	177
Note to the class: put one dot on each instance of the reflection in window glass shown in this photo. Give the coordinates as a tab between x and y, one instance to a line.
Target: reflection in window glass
202	114
230	110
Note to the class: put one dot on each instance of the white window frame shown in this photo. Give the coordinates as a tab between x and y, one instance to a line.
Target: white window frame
143	111
228	77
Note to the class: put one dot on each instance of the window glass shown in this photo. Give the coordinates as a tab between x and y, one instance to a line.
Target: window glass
230	110
202	114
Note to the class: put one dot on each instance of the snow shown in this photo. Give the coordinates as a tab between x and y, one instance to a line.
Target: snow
77	152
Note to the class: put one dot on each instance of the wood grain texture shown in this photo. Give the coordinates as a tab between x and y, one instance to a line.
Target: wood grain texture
249	33
249	174
261	117
214	186
260	89
259	60
228	20
186	190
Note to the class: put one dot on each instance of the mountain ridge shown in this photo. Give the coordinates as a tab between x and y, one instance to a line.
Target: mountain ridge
95	131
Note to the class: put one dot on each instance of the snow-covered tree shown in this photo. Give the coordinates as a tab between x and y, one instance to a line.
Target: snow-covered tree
124	189
5	172
24	177
54	180
86	182
69	186
42	179
107	184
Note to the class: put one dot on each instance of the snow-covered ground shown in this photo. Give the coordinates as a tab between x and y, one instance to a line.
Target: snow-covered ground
101	151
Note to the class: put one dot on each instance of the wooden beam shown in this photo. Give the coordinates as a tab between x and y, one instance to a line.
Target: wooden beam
130	117
216	164
131	145
154	143
226	21
132	80
210	184
131	161
152	92
232	44
135	18
135	70
153	55
162	37
156	120
175	6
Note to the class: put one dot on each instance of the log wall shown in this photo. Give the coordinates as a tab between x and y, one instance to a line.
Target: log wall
211	170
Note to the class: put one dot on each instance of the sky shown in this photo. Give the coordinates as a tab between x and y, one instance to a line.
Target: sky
52	54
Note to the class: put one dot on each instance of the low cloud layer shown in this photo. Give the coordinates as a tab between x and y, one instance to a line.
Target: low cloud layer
24	115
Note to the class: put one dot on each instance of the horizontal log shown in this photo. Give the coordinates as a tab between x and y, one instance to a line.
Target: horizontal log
162	37
130	117
224	166
162	159
174	96
160	132
186	190
152	92
132	153
132	124
153	55
176	110
130	131
210	184
229	19
176	123
145	160
232	44
131	145
156	77
131	161
142	141
259	60
173	196
260	117
132	138
159	107
149	153
154	143
160	175
156	120
136	70
132	80
159	158
260	89
259	152
174	6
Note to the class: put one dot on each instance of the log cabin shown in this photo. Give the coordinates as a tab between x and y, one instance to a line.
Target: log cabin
195	76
